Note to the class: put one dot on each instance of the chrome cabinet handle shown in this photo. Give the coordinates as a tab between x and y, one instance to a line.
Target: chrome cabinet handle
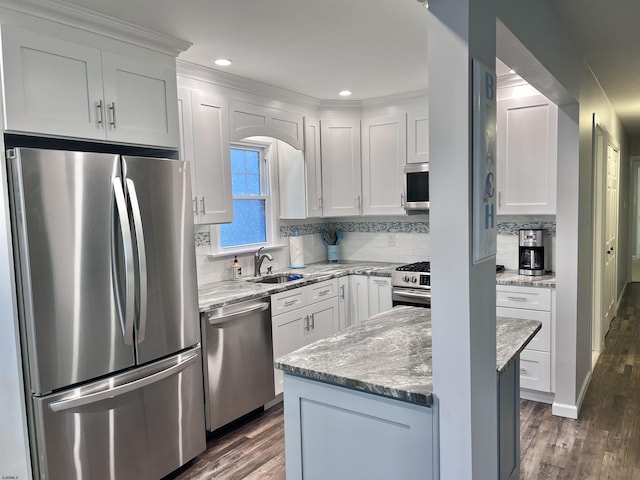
195	205
358	202
99	107
517	299
306	324
126	316
499	198
342	291
112	109
142	259
288	303
313	321
202	209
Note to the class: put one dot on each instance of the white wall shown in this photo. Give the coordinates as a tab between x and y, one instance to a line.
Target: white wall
557	70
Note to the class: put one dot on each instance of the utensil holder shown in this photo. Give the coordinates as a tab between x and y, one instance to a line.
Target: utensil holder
333	253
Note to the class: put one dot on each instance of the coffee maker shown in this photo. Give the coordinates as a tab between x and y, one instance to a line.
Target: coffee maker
534	254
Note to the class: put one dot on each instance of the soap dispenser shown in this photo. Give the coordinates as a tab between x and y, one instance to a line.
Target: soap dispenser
236	269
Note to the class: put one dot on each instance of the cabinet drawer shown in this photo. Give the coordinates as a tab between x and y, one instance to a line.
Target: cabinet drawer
542	340
530	298
290	300
535	370
323	290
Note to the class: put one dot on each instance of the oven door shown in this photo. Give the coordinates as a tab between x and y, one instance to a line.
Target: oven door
411	296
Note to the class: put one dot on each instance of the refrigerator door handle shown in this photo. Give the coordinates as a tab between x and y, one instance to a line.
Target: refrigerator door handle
109	393
142	259
126	317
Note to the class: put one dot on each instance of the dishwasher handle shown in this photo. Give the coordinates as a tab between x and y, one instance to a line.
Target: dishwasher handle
223	315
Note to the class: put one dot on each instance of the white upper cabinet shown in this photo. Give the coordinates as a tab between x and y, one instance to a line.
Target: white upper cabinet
418	137
313	167
527	144
57	87
248	120
341	171
384	154
140	100
204	142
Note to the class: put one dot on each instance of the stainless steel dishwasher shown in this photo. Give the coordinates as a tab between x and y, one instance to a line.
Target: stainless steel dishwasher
238	360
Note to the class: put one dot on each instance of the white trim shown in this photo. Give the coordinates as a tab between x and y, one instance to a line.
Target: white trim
536	396
624	289
228	80
247	249
572	411
93	22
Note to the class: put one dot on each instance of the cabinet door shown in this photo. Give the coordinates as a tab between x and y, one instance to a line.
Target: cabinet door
313	167
359	287
185	122
141	105
527	144
248	120
322	320
418	137
288	332
341	171
384	154
344	303
51	86
379	295
212	159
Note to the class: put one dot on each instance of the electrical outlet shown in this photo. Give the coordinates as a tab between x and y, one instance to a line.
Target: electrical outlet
391	239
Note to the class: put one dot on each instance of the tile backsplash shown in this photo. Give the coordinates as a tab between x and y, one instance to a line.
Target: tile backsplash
402	239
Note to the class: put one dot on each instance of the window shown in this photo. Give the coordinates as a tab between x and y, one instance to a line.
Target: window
251	205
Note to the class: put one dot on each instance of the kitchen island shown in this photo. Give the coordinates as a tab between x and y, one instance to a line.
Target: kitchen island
360	404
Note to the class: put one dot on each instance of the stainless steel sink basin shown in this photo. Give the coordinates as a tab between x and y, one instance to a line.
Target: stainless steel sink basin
277	278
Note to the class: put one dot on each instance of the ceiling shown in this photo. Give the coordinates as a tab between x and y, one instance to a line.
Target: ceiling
373	47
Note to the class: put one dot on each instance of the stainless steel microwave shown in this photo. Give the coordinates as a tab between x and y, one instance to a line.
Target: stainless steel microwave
416	186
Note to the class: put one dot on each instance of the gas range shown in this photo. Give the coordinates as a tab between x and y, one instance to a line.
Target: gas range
411	285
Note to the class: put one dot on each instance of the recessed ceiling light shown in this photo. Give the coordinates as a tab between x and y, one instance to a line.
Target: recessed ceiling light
222	62
344	93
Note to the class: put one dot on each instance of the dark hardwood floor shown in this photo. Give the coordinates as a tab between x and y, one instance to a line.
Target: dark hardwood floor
603	444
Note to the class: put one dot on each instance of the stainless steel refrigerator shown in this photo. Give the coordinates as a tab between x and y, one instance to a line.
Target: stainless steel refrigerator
105	266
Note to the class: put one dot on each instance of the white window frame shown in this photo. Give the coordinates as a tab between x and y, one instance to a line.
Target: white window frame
269	186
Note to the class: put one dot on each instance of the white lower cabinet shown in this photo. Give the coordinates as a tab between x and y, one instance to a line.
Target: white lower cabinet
359	296
536	361
379	295
301	316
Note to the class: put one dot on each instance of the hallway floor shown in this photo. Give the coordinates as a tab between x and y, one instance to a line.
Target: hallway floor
603	444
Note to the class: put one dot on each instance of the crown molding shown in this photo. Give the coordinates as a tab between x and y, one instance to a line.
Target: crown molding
397	99
90	21
247	85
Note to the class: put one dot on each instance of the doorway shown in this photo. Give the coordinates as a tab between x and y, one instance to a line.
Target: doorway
635	219
606	167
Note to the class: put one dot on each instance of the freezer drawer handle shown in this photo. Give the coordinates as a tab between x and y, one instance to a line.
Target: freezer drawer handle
142	259
217	319
96	397
126	316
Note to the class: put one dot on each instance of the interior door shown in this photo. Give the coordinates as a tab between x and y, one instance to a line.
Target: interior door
611	229
66	216
159	195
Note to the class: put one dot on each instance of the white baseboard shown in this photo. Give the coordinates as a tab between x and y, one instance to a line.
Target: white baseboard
572	411
536	396
273	402
624	289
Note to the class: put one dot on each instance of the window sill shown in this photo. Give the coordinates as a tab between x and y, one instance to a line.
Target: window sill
244	250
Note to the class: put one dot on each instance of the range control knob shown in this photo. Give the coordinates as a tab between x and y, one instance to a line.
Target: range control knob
406	278
414	279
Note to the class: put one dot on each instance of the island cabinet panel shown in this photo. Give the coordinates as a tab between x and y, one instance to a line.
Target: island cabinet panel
60	88
333	432
509	423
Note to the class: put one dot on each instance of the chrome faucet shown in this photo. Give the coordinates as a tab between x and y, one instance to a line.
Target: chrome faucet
258	259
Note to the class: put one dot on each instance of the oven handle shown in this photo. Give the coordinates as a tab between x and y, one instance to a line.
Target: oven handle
401	293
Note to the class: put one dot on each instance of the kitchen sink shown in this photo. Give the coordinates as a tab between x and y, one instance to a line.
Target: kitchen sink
277	278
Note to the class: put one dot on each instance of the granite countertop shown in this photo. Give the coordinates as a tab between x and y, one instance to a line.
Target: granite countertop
390	354
511	277
219	294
